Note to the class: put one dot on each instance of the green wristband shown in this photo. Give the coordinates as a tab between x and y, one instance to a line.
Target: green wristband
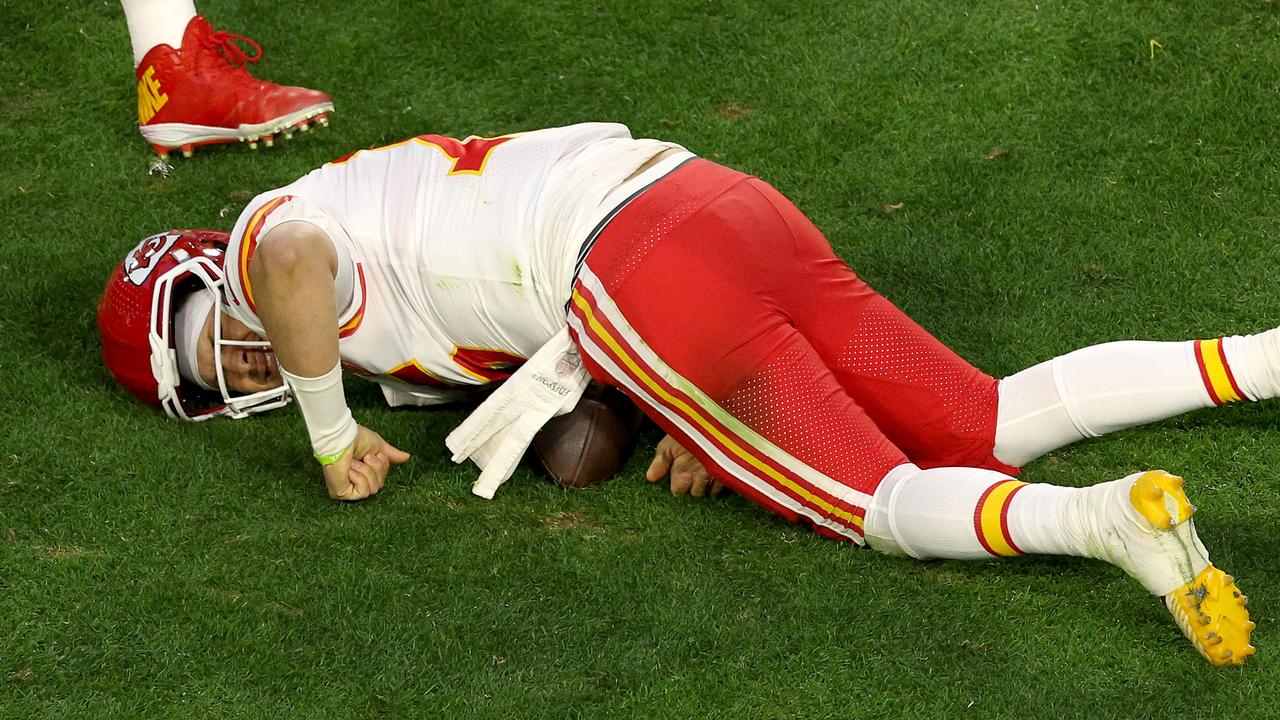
331	459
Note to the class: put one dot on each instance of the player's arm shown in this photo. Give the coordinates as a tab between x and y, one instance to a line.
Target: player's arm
292	275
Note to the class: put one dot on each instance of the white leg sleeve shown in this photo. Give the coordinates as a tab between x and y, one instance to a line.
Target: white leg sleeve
1095	391
929	513
156	22
877	527
972	514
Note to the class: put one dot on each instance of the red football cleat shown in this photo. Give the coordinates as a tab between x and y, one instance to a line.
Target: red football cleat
202	94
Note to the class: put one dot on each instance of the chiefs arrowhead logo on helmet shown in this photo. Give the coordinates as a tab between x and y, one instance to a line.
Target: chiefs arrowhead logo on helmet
142	260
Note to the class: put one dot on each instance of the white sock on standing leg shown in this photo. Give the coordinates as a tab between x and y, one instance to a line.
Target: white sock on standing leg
156	22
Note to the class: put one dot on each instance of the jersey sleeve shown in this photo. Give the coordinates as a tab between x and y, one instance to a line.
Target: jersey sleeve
264	213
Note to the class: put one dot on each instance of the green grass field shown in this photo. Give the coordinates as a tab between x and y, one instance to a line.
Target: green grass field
1023	178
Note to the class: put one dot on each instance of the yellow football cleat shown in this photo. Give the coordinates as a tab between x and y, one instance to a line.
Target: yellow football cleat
1213	614
1208	607
1142	524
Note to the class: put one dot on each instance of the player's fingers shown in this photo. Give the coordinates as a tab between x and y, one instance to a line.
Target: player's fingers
344	491
394	454
335	479
690	472
698	483
688	465
702	486
681	482
380	467
378	462
660	465
362	479
657	470
716	488
372	479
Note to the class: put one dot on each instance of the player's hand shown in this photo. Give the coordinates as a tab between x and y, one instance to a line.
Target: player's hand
362	469
688	476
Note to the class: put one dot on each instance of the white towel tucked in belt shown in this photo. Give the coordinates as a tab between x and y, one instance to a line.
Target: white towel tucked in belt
497	433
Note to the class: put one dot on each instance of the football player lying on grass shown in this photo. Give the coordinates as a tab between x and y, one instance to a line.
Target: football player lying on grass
436	267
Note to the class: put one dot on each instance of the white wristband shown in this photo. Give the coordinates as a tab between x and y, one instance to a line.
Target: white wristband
324	408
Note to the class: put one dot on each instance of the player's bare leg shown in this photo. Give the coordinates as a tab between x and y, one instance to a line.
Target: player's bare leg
1141	524
194	90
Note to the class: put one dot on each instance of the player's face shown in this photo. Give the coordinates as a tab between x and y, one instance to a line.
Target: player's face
246	369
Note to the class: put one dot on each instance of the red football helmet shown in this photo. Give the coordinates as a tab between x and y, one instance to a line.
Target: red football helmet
135	320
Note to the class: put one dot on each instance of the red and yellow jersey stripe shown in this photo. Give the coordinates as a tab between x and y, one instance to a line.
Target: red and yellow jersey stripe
350	326
249	244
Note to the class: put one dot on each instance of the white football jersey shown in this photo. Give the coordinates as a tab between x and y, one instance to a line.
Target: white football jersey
456	258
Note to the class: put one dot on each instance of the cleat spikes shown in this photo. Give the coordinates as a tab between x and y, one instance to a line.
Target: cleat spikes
269	140
1211	613
304	126
188	151
253	144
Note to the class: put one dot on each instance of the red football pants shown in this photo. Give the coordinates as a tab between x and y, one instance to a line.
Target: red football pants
725	315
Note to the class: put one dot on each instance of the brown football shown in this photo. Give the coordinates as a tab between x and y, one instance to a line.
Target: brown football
588	445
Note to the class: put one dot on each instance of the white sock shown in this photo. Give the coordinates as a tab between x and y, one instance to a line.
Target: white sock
1255	363
156	22
970	514
1118	385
